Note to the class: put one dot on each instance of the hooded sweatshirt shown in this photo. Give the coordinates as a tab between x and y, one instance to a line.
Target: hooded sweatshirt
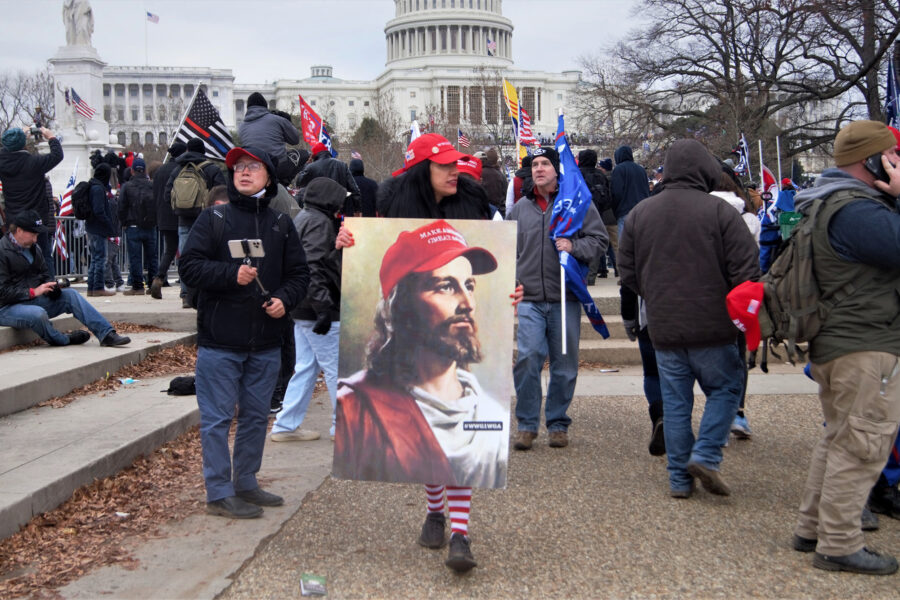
629	182
22	174
683	250
268	132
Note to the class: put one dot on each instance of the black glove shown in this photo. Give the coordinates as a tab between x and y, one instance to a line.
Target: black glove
630	329
323	324
55	292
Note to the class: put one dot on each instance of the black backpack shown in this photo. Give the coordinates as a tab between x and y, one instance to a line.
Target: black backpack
144	203
81	201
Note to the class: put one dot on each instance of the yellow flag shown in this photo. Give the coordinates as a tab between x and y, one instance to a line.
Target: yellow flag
512	99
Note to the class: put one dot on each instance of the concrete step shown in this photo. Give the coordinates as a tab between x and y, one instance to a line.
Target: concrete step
35	374
614	352
48	453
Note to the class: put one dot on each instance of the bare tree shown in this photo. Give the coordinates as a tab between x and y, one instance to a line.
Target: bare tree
765	67
21	94
381	138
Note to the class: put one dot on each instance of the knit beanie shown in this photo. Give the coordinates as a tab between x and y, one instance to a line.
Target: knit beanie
861	139
257	99
13	139
196	145
606	164
177	149
550	154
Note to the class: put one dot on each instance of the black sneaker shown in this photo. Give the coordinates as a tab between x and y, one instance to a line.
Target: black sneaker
885	500
233	508
260	497
432	535
657	445
114	339
78	337
460	558
863	561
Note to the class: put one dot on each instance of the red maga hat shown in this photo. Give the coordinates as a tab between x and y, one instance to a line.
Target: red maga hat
744	303
429	146
317	148
427	248
471	166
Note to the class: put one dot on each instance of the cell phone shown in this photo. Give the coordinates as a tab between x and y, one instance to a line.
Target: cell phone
875	167
246	248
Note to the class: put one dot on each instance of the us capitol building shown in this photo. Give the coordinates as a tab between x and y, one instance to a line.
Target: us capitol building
438	63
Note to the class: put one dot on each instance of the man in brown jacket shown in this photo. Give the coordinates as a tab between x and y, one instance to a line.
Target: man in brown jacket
682	250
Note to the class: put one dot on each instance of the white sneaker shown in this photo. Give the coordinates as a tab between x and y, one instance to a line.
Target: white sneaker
120	288
298	435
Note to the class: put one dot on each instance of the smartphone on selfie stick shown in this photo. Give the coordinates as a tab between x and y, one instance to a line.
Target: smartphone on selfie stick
247	249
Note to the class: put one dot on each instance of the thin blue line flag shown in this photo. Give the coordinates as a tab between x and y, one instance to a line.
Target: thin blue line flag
572	202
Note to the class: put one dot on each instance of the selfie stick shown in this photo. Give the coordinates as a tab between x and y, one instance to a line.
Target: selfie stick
245	245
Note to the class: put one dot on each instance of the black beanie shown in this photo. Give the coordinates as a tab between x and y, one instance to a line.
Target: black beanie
101	173
196	145
177	149
550	154
257	99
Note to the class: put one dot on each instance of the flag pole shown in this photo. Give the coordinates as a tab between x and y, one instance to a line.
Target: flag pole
762	177
146	58
562	280
778	154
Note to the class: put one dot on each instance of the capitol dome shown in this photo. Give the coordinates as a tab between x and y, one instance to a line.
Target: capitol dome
466	33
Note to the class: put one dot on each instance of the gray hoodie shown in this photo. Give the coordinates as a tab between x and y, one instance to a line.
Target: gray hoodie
261	129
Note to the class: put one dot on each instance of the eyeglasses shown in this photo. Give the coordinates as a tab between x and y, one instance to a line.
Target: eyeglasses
253	167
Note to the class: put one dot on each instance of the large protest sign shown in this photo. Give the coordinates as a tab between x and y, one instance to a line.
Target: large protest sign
425	375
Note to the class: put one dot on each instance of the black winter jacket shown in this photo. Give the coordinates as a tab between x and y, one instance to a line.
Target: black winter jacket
316	228
326	166
211	172
22	174
165	218
629	183
398	201
132	198
683	250
231	316
103	221
17	275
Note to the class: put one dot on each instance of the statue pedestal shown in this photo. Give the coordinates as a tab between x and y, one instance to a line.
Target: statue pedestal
79	68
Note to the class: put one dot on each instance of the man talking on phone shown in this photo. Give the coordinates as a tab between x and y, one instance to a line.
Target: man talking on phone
248	266
854	357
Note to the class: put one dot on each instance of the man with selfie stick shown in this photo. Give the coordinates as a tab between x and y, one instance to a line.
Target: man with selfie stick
239	330
854	357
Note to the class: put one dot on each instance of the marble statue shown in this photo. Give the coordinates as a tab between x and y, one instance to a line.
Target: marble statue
79	22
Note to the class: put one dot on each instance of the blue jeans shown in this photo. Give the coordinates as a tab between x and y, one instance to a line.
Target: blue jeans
226	379
35	314
113	273
97	265
620	222
719	371
314	353
651	375
539	335
140	242
183	233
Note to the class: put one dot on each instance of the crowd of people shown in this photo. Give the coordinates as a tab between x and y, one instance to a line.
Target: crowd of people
680	238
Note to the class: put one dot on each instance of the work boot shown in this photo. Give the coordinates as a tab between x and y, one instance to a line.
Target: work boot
134	292
884	500
865	561
233	508
802	544
260	497
524	439
459	557
114	339
156	288
432	535
78	337
868	521
710	479
559	439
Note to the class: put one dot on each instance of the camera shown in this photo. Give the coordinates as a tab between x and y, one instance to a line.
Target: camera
35	131
57	289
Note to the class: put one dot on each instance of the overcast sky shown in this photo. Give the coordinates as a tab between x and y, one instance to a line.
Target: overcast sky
265	40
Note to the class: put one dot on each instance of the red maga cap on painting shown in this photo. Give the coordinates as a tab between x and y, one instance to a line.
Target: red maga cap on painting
426	248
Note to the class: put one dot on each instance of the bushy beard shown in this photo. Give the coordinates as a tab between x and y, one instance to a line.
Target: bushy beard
461	346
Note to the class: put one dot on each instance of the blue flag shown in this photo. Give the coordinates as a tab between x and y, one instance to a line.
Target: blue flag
572	202
892	99
326	139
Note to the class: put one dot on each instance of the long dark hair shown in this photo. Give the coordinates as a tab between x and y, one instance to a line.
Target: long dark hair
411	196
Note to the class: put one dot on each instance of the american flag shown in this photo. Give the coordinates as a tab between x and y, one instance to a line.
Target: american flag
203	122
80	106
491	47
65	209
152	18
462	138
526	136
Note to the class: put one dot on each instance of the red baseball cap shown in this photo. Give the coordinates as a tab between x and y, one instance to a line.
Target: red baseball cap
471	166
743	303
430	146
426	248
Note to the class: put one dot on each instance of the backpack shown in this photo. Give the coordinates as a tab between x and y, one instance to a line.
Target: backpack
189	190
144	203
793	308
81	201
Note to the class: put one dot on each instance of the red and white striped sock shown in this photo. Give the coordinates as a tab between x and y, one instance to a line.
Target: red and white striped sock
434	495
459	502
